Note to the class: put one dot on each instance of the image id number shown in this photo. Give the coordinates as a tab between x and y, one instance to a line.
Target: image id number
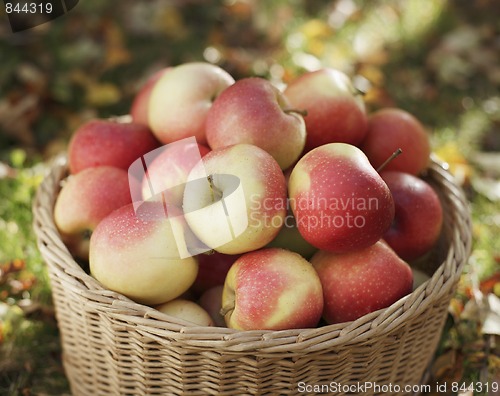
474	387
28	8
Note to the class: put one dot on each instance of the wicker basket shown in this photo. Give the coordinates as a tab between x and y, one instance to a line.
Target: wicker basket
113	346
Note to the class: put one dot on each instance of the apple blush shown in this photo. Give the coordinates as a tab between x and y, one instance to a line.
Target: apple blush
85	199
181	98
109	142
393	128
254	111
363	281
418	215
335	110
339	201
143	256
272	289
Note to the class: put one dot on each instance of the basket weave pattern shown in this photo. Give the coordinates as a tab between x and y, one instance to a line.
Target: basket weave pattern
113	346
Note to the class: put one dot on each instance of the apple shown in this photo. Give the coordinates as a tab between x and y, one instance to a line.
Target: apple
335	112
393	128
84	200
140	105
168	169
212	270
211	301
181	98
418	215
339	201
362	281
186	310
254	111
144	256
235	199
112	142
272	289
290	238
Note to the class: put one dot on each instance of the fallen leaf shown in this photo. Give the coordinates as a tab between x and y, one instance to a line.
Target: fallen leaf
102	94
488	187
448	367
458	165
488	162
491	324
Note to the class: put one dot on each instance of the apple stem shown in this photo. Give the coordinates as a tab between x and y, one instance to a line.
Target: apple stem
358	91
393	155
216	194
302	112
224	310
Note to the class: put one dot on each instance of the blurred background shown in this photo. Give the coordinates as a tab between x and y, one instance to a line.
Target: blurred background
438	59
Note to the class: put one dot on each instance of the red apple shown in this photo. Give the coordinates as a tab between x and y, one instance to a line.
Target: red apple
85	199
339	201
108	142
272	289
140	105
235	199
211	301
212	270
254	111
390	129
144	256
335	112
418	215
359	282
181	98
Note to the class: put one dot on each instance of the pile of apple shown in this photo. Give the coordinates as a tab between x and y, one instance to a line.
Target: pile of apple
239	204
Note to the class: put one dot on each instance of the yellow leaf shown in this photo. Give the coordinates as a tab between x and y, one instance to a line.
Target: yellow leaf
316	28
170	21
459	166
102	94
116	53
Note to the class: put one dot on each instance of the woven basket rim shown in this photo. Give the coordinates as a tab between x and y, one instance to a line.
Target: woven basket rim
161	325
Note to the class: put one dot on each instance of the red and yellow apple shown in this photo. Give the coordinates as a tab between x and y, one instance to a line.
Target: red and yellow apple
335	111
272	289
139	109
111	142
168	168
359	282
254	111
144	256
234	199
84	200
181	98
339	201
